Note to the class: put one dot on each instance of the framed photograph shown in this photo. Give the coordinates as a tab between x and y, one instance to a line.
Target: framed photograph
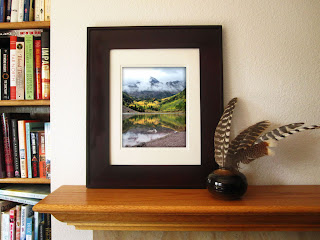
154	98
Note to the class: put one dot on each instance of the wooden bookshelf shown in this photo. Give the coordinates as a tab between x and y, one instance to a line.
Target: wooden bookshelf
24	25
25	180
25	103
263	208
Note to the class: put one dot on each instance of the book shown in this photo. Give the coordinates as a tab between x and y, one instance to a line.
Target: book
34	154
20	10
5	74
29	76
38	69
47	145
2	10
47	224
20	69
7	144
2	158
14	10
12	223
42	231
13	45
26	211
23	147
31	127
14	199
6	205
8	11
26	191
26	8
18	221
45	46
15	147
47	11
42	155
5	221
31	14
37	220
29	228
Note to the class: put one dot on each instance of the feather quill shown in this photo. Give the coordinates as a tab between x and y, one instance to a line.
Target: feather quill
247	137
222	134
284	131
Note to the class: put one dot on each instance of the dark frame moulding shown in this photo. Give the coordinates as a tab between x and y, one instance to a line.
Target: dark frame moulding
100	174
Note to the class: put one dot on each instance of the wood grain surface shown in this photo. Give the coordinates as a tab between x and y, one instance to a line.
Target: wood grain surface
263	208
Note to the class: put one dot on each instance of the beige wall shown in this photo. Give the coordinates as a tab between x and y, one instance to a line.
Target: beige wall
271	62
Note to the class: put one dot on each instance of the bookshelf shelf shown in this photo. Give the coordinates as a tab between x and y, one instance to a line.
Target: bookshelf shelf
263	208
25	180
17	103
24	25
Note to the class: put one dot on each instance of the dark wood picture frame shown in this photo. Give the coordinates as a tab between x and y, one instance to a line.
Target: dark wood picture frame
100	174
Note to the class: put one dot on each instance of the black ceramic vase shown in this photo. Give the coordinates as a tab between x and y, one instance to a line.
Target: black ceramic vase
227	184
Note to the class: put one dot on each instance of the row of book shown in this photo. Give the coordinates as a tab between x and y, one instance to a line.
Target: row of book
18	221
25	64
24	147
25	10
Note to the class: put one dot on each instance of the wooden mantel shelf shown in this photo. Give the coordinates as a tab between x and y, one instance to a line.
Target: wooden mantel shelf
263	208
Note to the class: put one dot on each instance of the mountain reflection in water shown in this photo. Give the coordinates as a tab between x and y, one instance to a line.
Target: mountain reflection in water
138	129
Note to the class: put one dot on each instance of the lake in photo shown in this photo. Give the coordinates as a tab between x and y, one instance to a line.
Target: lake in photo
154	107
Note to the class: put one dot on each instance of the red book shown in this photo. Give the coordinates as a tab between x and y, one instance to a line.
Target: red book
12	223
7	144
42	154
38	60
13	66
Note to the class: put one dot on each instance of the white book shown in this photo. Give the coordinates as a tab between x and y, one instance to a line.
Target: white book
26	211
47	146
22	148
20	10
39	10
26	191
14	10
47	11
13	68
5	221
30	201
20	70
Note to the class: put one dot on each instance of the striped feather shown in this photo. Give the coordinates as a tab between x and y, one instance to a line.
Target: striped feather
283	131
222	133
247	137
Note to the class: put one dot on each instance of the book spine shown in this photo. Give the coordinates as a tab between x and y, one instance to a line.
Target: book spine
21	10
7	144
29	227
31	14
47	222
22	200
5	220
38	59
13	65
15	147
36	225
34	154
29	77
41	231
12	223
18	221
42	155
45	46
47	144
26	10
42	9
2	158
2	10
20	70
5	77
47	12
22	148
23	222
28	142
8	11
23	194
14	10
0	74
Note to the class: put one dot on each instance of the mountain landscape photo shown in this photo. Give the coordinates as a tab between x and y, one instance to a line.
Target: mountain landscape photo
154	107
